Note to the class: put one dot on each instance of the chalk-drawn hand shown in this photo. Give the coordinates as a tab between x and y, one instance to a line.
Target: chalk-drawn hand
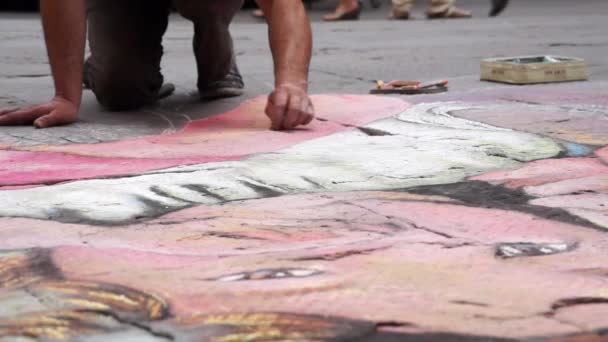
289	106
58	111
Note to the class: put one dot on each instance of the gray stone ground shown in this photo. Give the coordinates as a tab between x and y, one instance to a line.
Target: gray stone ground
348	56
149	255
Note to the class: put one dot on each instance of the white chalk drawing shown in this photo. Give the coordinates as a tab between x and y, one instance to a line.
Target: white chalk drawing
424	145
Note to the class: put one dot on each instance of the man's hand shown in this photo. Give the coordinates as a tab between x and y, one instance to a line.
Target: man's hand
58	111
289	107
291	43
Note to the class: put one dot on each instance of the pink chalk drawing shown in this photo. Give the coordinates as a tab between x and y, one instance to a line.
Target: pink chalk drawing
268	255
577	185
384	221
603	154
229	136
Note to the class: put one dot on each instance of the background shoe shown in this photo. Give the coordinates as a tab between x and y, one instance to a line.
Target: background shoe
452	13
230	86
498	6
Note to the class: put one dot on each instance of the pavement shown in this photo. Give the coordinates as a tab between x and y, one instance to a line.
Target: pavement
480	214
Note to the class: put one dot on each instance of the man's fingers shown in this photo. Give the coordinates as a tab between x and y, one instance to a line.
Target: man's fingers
276	115
294	113
288	108
277	105
51	119
8	110
11	119
307	113
310	110
307	119
279	99
23	116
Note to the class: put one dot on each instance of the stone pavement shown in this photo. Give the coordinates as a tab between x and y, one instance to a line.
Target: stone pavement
476	215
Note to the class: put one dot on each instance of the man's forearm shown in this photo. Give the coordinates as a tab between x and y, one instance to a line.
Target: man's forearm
290	41
64	24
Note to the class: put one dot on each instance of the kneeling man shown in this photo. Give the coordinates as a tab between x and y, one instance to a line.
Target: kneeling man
125	38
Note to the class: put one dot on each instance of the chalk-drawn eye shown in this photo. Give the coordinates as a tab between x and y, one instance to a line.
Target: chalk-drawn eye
269	274
235	277
528	249
301	272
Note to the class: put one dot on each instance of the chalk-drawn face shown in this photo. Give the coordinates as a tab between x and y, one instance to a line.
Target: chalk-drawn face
368	219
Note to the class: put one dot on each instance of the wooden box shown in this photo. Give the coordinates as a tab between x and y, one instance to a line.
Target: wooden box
533	69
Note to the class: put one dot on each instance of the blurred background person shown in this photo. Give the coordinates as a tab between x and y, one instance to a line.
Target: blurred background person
436	9
351	10
346	10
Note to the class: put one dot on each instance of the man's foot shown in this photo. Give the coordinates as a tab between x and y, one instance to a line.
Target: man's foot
452	13
345	13
230	86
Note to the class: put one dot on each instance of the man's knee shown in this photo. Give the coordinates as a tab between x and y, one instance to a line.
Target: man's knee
119	91
222	10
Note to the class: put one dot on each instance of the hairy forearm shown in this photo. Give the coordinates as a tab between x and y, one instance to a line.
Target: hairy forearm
290	40
64	23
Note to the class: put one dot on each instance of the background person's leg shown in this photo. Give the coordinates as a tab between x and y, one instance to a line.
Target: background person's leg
125	38
218	75
446	9
402	8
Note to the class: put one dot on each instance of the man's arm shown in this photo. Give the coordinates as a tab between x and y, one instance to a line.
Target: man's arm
291	43
64	23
